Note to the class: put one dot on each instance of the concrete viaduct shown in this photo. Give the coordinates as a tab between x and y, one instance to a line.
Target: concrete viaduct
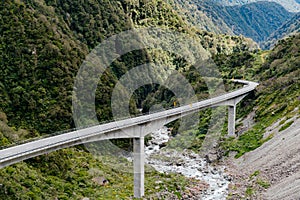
136	128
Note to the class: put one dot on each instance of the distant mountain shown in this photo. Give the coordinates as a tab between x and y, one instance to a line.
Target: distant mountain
254	20
290	5
291	27
189	9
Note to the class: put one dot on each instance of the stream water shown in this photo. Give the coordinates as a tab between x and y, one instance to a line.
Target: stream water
187	163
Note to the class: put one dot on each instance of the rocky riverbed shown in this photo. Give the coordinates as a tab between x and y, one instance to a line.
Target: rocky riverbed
187	163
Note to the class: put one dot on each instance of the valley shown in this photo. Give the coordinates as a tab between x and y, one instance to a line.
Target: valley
290	5
254	19
45	43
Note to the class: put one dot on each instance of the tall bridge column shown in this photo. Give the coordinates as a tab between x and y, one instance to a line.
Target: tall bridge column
231	120
138	166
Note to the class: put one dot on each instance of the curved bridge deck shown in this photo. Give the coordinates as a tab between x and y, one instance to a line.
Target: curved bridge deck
136	128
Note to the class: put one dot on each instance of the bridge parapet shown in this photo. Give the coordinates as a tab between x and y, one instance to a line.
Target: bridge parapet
136	128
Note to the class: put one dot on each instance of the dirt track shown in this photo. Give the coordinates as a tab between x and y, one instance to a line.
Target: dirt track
278	161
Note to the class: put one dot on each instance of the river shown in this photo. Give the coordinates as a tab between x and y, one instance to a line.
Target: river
187	163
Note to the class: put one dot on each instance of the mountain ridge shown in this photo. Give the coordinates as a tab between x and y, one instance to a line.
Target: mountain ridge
257	20
291	27
290	5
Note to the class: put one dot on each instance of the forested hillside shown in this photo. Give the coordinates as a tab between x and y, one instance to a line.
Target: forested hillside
291	27
41	53
200	18
268	172
290	5
277	95
42	46
256	20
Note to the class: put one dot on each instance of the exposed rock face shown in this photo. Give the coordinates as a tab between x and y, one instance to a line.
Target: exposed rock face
276	162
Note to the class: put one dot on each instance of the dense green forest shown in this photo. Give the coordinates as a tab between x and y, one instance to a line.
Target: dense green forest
44	43
290	27
257	20
290	5
42	46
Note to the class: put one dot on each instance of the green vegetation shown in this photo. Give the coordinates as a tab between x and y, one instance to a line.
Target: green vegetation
285	126
255	20
291	27
246	142
42	45
254	184
73	173
249	191
277	95
254	174
39	57
263	183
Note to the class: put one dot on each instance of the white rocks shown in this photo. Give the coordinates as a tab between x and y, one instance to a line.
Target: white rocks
188	164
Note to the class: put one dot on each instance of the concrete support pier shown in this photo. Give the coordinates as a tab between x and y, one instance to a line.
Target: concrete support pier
138	166
231	120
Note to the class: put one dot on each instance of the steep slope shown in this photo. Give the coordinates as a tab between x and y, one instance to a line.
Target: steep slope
42	46
278	92
255	20
272	140
291	27
290	5
280	169
200	18
39	57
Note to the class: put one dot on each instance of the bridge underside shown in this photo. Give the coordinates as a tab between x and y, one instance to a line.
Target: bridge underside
138	132
136	128
139	155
